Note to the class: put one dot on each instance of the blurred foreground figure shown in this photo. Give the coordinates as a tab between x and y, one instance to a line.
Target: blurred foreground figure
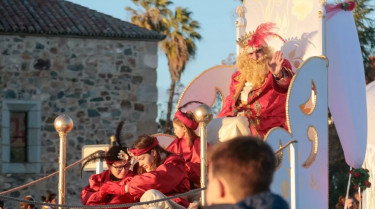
240	174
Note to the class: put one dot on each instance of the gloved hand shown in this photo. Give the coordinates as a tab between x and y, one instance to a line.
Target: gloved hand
110	187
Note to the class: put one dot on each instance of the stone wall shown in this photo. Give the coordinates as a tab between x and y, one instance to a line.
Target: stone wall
97	82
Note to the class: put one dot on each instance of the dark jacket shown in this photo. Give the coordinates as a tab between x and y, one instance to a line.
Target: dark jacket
264	200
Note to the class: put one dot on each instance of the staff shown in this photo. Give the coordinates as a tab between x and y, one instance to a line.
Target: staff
63	124
203	115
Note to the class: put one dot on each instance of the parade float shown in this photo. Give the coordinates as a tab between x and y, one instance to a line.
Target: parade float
321	42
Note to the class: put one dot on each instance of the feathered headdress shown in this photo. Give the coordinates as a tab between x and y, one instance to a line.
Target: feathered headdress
115	153
118	133
256	39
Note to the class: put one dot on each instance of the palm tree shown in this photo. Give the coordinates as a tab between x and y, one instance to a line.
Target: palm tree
366	31
179	44
179	47
150	18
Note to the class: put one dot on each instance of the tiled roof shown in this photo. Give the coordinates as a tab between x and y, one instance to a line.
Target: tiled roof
59	17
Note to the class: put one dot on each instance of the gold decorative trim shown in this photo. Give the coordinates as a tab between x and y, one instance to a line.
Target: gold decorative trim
312	135
291	85
303	107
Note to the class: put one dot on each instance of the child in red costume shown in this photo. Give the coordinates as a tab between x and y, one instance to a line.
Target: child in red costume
118	162
164	173
187	143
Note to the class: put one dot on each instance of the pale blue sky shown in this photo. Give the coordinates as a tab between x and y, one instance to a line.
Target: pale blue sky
218	32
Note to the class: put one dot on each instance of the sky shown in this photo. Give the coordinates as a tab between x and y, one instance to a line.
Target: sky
218	31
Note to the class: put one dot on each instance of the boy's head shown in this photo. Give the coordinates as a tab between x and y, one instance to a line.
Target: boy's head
24	205
239	168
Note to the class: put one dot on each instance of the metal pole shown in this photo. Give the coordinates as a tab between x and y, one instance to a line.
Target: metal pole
203	136
347	188
292	177
62	163
360	197
63	125
203	115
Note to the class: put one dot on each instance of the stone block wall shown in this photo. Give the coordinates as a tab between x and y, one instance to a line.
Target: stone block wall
97	82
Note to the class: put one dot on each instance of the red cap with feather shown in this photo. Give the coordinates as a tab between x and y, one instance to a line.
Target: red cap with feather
257	39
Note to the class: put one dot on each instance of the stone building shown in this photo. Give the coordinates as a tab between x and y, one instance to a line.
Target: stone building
61	58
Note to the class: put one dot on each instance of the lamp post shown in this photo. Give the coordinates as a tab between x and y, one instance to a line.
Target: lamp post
203	115
63	124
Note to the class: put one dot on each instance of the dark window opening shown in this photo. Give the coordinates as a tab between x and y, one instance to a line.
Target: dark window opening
18	137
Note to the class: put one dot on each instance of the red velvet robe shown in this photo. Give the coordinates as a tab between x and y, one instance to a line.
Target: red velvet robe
169	178
90	195
265	106
191	156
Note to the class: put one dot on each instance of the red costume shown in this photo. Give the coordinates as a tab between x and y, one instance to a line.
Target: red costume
170	178
265	106
191	155
91	194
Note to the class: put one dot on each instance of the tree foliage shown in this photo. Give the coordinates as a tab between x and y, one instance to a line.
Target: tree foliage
366	29
179	45
150	13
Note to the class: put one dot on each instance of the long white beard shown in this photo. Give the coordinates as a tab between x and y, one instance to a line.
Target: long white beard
254	71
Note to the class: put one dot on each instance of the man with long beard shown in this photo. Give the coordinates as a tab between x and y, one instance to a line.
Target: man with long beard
258	90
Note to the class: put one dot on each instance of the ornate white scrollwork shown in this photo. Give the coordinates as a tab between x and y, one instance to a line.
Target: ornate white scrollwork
307	120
